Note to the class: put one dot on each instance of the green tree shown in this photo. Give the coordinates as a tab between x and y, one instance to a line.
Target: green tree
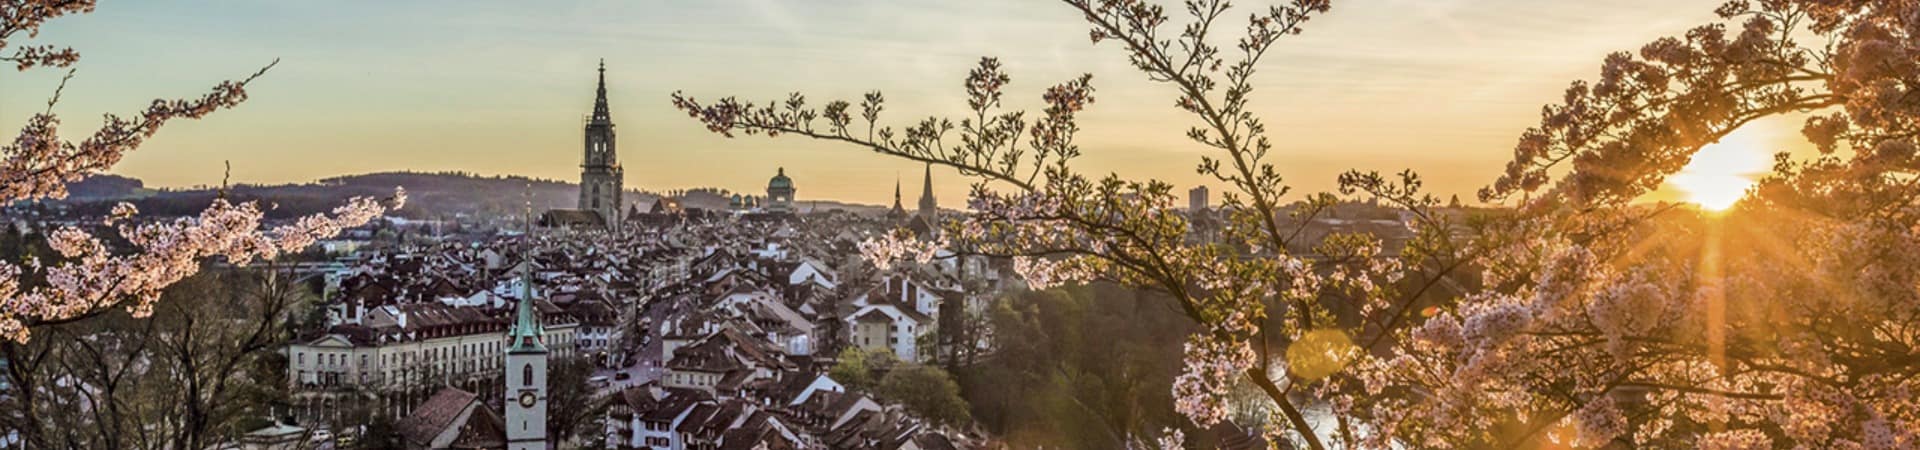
200	371
855	368
927	391
1078	367
572	403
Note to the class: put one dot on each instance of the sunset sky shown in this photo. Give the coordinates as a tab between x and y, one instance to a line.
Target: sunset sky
500	87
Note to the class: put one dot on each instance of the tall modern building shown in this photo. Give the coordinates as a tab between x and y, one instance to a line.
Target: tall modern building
601	178
1197	199
526	380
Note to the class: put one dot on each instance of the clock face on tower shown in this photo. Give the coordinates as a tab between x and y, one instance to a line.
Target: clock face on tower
527	399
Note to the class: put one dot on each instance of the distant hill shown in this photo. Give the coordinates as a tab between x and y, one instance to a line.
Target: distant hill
429	195
107	187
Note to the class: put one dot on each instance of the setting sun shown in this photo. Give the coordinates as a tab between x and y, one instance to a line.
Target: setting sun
1720	173
1714	192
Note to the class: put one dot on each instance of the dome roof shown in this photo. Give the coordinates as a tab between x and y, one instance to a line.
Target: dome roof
780	180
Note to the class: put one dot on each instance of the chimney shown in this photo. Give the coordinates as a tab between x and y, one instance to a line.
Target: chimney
399	316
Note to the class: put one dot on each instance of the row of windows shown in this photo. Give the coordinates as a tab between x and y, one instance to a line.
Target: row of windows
439	355
327	379
693	379
328	359
439	361
433	355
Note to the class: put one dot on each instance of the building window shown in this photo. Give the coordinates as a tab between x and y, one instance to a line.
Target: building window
526	375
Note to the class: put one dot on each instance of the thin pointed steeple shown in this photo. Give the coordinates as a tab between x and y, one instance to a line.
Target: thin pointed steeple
527	331
600	112
928	206
898	212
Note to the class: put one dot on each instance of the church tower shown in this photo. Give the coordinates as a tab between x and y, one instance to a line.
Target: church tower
897	213
526	377
601	178
929	209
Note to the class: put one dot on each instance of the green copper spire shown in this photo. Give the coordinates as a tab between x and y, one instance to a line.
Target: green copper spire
527	331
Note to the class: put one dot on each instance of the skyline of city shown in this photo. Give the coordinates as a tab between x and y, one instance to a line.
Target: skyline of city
500	90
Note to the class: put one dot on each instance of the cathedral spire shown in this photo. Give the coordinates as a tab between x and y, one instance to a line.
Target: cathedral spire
600	112
601	179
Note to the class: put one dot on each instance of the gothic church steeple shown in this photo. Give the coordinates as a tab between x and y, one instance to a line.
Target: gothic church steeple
601	178
600	112
928	206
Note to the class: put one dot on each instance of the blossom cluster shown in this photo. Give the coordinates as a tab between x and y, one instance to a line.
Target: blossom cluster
891	248
1044	273
1212	361
1172	439
28	57
91	279
1651	109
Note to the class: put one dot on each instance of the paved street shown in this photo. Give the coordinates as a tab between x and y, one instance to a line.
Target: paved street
647	365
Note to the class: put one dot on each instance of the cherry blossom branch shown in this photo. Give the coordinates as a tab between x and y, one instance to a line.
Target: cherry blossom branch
91	280
38	164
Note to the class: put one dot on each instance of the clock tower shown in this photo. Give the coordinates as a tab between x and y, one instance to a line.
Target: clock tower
526	377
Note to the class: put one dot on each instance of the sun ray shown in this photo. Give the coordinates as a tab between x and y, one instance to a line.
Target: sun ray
1776	249
1709	272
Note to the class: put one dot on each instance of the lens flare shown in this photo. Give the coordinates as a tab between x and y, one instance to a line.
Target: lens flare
1713	192
1720	173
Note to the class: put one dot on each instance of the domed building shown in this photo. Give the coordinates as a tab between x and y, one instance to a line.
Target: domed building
779	193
